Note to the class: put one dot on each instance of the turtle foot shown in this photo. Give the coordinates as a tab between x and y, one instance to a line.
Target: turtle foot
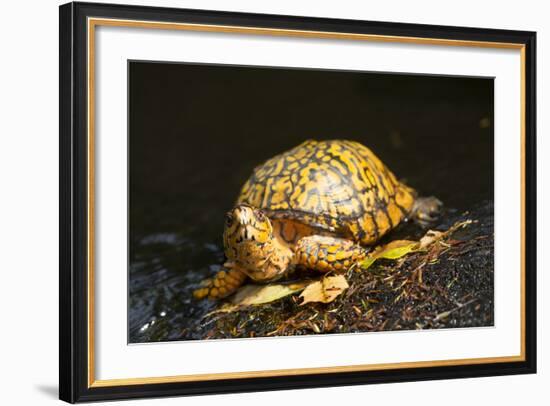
221	285
426	210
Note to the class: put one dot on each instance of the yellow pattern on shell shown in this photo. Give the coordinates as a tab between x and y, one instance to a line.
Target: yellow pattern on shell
338	186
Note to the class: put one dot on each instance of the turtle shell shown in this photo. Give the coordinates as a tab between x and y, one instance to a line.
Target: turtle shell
337	186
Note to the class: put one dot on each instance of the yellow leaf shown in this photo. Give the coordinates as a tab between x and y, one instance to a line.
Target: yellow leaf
393	250
251	295
368	262
389	246
398	252
399	248
260	294
325	290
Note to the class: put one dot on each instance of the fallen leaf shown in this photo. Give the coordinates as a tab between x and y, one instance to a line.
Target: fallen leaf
392	245
399	248
430	237
325	290
260	294
251	295
398	252
393	250
433	236
367	262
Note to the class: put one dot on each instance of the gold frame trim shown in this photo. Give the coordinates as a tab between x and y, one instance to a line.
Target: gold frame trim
94	22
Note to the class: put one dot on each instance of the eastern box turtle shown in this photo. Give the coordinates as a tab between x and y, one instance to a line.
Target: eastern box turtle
318	206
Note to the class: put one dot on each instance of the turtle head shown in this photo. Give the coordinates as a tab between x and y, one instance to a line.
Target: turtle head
245	224
249	242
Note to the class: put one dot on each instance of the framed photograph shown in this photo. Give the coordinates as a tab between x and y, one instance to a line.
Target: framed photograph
256	202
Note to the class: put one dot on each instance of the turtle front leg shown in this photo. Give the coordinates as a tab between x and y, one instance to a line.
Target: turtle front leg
223	284
325	254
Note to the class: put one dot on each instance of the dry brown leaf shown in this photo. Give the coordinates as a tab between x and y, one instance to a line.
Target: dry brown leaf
429	238
433	236
325	290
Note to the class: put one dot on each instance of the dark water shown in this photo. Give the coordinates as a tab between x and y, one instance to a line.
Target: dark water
196	133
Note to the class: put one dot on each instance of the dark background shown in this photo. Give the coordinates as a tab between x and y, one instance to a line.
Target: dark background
197	131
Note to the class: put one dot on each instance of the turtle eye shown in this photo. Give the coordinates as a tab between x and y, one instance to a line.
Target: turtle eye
260	215
228	220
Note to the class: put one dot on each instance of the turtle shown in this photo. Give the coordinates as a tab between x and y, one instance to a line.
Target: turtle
321	205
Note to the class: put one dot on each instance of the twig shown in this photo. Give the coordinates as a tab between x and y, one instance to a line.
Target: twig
447	313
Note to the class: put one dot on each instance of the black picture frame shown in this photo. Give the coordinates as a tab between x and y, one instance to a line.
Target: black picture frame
73	283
